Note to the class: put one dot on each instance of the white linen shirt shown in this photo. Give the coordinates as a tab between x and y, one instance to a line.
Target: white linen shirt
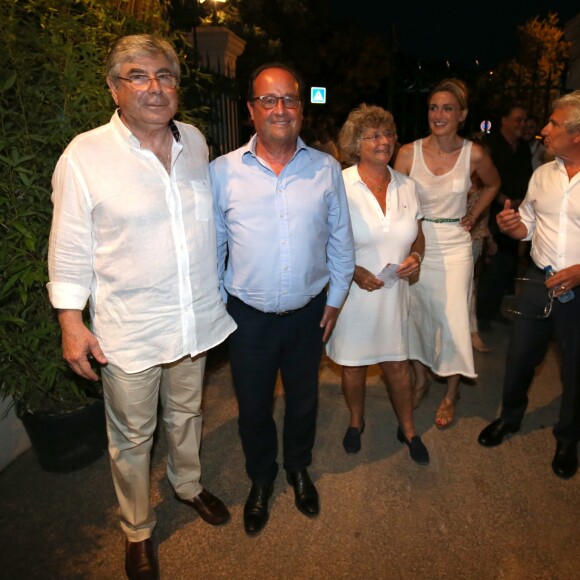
139	244
551	214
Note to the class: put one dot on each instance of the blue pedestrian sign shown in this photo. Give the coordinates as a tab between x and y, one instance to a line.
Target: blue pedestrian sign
318	95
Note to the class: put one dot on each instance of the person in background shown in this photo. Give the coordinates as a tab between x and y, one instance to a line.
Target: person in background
513	160
282	218
480	235
372	326
324	141
530	136
550	217
133	233
441	166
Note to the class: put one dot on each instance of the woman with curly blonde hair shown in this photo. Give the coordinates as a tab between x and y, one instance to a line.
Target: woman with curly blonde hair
372	326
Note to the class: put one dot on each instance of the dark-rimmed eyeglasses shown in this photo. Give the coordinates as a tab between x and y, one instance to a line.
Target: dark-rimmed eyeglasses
379	135
271	101
167	80
547	307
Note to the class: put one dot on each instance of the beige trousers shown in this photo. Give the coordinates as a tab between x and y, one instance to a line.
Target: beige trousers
131	402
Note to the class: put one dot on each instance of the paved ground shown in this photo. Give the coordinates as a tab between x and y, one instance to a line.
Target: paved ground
472	513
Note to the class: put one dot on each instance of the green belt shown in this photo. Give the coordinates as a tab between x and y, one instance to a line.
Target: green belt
442	220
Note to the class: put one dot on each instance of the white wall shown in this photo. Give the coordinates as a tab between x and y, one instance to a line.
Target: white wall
13	438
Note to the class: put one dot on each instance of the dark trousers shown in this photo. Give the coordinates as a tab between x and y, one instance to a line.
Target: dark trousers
528	347
495	280
262	345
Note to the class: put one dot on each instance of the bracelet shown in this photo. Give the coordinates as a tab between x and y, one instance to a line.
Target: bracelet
419	257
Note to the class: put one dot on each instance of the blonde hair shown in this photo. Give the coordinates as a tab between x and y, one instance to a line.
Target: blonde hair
454	86
359	120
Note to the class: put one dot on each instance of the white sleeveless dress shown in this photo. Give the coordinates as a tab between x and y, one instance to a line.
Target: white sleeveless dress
372	326
439	334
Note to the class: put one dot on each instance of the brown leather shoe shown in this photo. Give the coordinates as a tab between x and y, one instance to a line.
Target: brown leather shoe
140	560
210	508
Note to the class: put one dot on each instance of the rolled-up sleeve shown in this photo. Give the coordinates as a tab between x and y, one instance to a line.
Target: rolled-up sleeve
70	265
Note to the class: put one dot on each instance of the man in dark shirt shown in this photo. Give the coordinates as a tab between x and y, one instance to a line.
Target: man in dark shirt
511	155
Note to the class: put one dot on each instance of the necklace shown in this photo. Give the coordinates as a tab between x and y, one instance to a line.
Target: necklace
378	186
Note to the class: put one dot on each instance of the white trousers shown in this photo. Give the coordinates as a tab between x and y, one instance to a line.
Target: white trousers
131	402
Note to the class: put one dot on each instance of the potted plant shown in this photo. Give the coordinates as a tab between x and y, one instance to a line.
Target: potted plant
52	87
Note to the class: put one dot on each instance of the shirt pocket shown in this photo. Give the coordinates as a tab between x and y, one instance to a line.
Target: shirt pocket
203	199
458	185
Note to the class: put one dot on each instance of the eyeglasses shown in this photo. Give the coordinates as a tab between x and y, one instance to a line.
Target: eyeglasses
167	80
547	307
379	135
271	101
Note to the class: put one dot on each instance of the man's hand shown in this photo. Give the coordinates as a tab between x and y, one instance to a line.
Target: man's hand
510	222
328	321
79	344
564	280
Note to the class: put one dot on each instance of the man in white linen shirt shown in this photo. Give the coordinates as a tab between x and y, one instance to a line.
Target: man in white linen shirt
550	217
133	233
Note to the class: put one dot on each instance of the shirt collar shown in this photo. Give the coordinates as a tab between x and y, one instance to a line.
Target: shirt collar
126	134
354	177
250	147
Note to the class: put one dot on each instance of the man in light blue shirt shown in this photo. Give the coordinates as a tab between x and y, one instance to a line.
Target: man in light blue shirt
282	221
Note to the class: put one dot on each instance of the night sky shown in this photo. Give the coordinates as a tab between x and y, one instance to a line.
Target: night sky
461	32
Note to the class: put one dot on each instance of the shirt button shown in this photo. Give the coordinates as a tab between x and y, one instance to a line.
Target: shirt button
285	268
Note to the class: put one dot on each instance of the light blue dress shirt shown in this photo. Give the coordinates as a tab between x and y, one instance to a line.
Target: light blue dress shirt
285	236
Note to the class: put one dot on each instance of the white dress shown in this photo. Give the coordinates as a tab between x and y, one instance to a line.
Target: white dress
372	326
439	334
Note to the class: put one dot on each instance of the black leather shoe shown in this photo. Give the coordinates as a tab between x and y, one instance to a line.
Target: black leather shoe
417	449
351	441
565	463
256	508
140	560
210	508
494	433
305	494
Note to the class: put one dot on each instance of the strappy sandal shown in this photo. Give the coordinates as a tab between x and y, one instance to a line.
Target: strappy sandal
445	415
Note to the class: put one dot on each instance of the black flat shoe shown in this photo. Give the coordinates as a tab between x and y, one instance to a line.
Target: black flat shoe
417	449
493	435
565	463
351	441
256	508
305	494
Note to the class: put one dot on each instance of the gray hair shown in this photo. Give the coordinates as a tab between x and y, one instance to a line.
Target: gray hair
136	46
571	102
358	121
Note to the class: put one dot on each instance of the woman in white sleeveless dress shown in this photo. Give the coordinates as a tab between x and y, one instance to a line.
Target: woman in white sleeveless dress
441	166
